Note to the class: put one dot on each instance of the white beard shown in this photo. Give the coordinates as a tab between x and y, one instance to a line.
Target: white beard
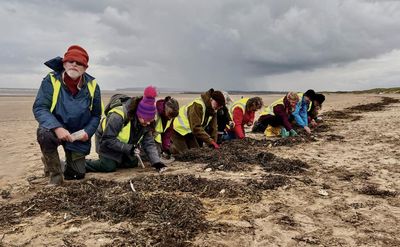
73	74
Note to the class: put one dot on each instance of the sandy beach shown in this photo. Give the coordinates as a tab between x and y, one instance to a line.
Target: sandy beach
341	188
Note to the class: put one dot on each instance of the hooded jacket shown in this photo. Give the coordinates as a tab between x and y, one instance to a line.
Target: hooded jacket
71	112
300	113
195	113
109	146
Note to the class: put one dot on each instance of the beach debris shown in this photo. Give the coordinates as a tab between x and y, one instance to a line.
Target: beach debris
323	192
131	184
208	169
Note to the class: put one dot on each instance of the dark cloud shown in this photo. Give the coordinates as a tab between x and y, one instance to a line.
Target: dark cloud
201	44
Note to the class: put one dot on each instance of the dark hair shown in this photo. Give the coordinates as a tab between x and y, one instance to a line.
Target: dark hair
219	97
172	104
320	98
255	101
310	94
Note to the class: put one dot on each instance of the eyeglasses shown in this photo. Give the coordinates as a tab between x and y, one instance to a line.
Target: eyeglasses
76	62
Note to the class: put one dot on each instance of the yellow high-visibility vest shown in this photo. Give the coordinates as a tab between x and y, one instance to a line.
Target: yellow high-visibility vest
159	128
56	91
125	132
270	109
181	122
239	103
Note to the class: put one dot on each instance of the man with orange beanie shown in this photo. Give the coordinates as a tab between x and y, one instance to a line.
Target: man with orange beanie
125	130
68	101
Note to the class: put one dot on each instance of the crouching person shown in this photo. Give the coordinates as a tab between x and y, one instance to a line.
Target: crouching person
243	112
277	115
167	110
124	129
193	119
303	106
316	106
68	101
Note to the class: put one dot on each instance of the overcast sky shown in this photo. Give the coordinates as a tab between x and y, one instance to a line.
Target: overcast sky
194	45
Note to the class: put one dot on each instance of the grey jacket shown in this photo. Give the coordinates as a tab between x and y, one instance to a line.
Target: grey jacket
109	146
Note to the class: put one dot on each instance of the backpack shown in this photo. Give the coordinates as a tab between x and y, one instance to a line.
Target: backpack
116	100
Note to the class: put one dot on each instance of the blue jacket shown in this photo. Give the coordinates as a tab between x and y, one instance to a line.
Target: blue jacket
71	112
300	113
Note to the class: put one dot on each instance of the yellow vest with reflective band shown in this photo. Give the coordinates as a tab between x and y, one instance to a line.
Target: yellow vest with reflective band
159	128
56	91
125	132
239	103
301	98
270	109
181	122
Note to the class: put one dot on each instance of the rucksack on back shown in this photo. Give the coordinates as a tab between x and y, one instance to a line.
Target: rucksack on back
115	100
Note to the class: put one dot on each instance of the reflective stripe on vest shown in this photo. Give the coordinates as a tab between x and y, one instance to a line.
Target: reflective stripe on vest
270	109
159	129
301	99
125	132
181	122
241	104
56	91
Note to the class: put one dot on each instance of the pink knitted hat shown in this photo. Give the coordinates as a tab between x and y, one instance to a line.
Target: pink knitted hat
147	108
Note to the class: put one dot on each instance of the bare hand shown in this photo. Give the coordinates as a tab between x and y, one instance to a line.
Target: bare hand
313	123
85	137
307	129
63	134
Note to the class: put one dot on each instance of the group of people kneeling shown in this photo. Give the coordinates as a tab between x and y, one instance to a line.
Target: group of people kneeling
69	110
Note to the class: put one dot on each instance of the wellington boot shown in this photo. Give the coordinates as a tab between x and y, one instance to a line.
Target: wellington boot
56	179
45	169
52	161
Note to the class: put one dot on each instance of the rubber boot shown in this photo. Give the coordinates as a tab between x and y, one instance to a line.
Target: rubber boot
52	160
45	168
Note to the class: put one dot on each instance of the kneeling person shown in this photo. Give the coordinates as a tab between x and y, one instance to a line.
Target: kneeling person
125	128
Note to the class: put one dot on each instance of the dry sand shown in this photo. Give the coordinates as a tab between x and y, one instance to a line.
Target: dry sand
347	195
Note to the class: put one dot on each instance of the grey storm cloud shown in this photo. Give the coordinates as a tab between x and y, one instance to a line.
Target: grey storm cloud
198	44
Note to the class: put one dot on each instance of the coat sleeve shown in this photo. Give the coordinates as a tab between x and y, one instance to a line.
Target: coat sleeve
300	114
280	112
150	148
195	115
166	137
213	128
41	106
92	125
238	120
109	139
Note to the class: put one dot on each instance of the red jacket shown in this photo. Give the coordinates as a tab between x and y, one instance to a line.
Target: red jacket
240	120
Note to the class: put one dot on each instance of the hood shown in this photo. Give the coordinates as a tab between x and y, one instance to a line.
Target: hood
206	97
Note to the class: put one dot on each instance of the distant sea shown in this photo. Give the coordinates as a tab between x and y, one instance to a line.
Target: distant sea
17	92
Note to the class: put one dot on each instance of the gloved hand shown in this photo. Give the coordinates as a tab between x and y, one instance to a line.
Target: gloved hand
292	132
307	129
160	167
215	145
284	133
